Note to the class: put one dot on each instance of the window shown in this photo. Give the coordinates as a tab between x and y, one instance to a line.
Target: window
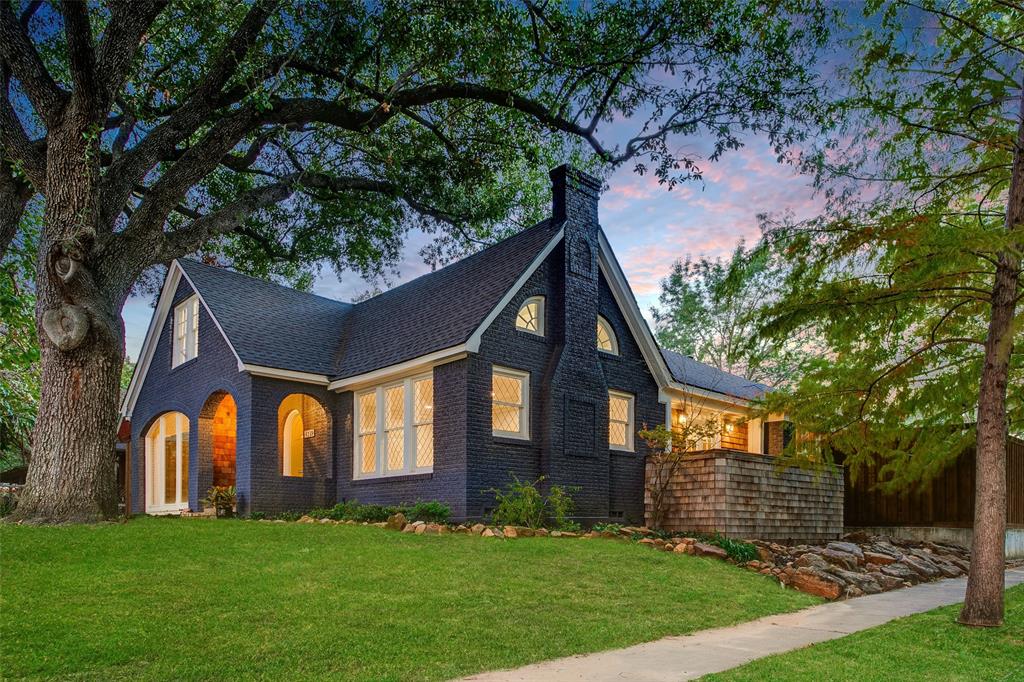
395	429
510	402
531	316
293	455
606	337
186	331
620	421
167	464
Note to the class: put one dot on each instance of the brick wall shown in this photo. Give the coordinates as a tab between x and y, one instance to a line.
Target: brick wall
744	496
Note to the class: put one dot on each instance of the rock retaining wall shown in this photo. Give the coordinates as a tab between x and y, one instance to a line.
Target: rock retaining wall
744	496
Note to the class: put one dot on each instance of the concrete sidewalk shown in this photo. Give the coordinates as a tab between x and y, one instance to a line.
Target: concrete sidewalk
708	651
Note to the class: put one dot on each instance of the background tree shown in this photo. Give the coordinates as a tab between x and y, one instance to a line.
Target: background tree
708	310
284	133
911	276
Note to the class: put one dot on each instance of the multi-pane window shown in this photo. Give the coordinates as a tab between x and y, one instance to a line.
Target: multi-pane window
186	331
510	414
395	428
620	421
606	340
531	316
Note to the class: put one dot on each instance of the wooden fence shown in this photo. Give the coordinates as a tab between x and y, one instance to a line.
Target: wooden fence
948	500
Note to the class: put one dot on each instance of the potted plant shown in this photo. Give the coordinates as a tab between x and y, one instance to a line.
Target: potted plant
222	498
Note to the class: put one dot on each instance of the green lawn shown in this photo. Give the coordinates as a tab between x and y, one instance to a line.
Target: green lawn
928	646
199	599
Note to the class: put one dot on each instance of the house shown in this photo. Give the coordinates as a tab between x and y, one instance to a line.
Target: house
529	357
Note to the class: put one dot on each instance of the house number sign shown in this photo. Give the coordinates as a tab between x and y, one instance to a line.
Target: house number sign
308	433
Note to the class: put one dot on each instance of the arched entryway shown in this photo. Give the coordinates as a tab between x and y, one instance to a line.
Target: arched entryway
218	421
166	444
303	437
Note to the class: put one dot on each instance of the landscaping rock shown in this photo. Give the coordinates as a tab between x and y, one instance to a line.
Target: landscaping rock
541	532
847	547
397	521
524	532
811	560
922	567
879	559
478	529
702	549
863	581
840	558
886	582
409	528
646	541
816	582
556	533
510	532
306	519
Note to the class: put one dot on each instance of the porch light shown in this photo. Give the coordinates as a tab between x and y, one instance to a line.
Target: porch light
729	427
681	419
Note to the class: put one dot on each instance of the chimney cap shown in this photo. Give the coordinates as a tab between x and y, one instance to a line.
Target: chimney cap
567	174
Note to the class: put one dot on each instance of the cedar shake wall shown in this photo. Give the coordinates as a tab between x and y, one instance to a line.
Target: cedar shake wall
224	442
745	496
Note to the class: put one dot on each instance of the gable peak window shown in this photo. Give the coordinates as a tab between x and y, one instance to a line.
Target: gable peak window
186	331
531	316
606	340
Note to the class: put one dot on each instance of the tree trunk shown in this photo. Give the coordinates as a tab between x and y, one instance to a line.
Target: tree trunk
983	605
71	475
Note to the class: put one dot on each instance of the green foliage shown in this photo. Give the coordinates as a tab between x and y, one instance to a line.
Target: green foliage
895	277
257	516
288	516
521	503
430	512
19	348
708	311
739	551
607	527
221	497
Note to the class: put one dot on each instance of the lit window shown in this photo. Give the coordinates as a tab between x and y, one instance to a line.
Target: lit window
620	421
510	398
531	316
167	464
186	331
293	455
606	340
395	429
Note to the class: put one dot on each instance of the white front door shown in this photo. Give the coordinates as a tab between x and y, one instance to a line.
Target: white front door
167	464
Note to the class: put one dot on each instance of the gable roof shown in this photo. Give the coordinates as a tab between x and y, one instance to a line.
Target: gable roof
690	372
268	324
441	309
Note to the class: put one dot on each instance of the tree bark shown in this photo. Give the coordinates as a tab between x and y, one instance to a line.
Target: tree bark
71	476
983	605
14	194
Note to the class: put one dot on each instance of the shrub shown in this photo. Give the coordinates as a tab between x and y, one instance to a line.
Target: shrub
257	516
221	497
373	513
521	504
289	516
610	527
430	512
739	551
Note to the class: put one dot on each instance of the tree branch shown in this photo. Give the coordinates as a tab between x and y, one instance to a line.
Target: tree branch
16	49
121	38
81	56
14	140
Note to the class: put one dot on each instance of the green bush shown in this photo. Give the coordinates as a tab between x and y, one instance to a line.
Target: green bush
373	513
257	516
288	516
430	512
739	551
8	499
521	504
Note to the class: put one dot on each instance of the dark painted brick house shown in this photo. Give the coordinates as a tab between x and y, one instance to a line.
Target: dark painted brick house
528	358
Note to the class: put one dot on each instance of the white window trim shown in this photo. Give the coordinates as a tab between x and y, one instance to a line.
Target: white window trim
539	300
408	432
524	413
611	335
630	421
156	465
190	309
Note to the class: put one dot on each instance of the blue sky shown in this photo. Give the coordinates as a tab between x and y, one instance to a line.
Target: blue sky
648	226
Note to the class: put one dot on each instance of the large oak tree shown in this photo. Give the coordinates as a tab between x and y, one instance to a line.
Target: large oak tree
297	133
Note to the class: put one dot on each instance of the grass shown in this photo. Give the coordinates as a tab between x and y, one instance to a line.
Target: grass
928	646
157	599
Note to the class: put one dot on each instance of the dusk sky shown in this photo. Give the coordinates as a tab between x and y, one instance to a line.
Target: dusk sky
648	226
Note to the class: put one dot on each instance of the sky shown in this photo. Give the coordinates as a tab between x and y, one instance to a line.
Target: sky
647	225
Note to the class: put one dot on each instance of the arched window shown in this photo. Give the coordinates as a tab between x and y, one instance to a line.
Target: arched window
167	464
531	316
606	340
293	455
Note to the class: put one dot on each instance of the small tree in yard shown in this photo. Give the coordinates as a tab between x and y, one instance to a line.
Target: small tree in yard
912	275
282	136
668	447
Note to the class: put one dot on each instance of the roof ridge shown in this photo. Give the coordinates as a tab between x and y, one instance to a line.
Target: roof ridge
226	270
547	223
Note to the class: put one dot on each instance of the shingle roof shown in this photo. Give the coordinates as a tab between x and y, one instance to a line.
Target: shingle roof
688	371
440	309
269	324
274	326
